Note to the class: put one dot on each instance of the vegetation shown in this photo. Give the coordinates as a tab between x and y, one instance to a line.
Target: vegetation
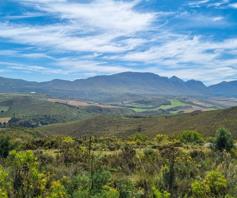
114	156
33	110
173	103
123	126
110	167
192	137
224	140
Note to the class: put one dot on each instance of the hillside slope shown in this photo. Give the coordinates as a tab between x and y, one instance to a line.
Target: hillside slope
205	122
37	107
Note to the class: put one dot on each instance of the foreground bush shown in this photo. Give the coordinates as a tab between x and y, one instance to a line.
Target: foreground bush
213	185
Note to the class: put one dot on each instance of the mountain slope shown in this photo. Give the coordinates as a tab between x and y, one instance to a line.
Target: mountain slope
106	88
204	122
119	86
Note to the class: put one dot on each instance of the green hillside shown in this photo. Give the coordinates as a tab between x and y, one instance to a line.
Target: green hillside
205	122
35	107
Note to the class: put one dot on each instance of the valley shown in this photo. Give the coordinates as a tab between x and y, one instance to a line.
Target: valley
108	137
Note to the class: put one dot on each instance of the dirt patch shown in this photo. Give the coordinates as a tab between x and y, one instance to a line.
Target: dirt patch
79	103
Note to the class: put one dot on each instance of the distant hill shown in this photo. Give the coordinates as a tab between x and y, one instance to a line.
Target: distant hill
204	122
118	86
224	89
38	109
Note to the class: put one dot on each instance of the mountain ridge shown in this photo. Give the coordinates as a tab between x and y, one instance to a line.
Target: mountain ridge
105	87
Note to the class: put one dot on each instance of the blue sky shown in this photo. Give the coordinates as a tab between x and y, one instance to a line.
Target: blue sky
69	39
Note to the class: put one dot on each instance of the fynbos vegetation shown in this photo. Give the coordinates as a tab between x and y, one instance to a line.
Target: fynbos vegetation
188	165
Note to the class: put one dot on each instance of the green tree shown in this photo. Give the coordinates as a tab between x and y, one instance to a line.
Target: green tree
223	140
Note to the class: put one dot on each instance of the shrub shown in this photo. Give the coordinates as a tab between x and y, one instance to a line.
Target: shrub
200	189
4	183
223	140
192	137
213	185
27	178
161	138
140	138
57	190
158	194
125	187
99	179
5	146
216	182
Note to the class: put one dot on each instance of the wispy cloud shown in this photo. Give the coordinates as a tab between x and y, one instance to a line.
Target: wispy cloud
107	15
26	15
209	3
110	36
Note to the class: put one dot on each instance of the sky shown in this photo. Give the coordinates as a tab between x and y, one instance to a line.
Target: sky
42	40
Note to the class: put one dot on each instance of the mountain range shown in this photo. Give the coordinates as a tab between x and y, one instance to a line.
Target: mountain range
127	84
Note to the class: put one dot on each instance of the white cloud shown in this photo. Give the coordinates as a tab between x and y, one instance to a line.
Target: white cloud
28	68
104	33
233	5
109	15
188	57
23	54
61	37
218	4
73	65
24	16
98	26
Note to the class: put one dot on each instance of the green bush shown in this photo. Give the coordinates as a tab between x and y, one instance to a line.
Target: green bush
216	182
223	140
5	146
213	185
192	137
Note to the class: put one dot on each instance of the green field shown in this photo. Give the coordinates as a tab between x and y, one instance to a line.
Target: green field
167	105
174	103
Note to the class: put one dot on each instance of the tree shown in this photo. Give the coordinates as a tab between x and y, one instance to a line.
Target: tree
223	140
